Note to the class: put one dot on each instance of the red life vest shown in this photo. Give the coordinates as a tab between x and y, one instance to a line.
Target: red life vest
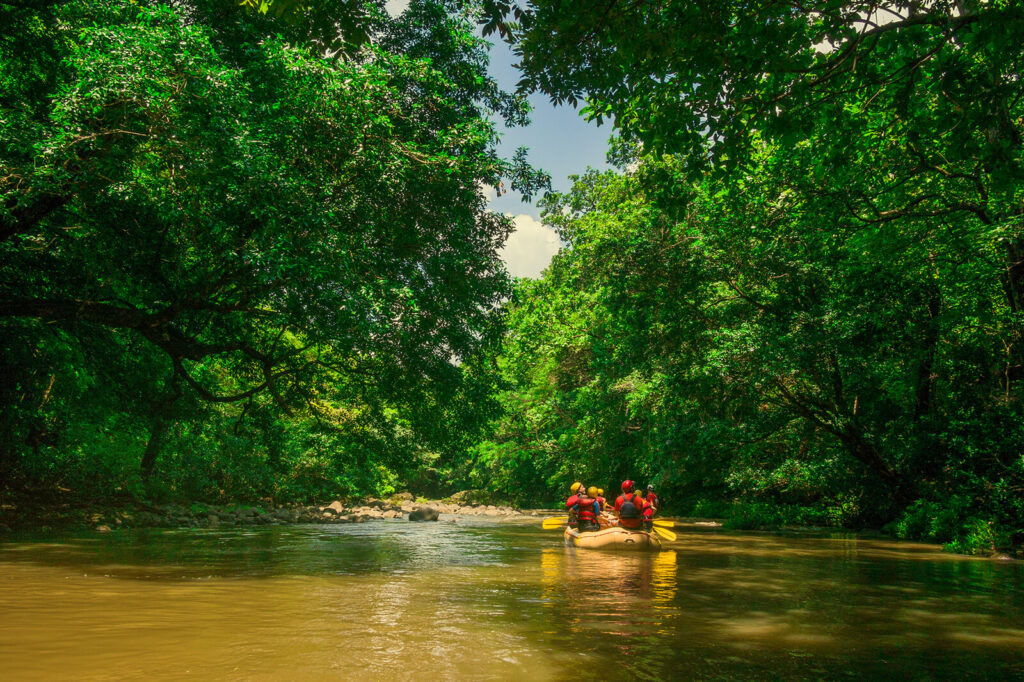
652	499
631	508
586	509
571	502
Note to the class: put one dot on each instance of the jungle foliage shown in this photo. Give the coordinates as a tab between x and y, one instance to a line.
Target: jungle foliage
802	299
244	252
245	249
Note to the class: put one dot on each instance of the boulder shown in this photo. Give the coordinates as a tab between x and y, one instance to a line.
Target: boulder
472	497
402	497
336	506
423	514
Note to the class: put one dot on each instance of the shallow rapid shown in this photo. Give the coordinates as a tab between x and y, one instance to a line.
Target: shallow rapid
498	599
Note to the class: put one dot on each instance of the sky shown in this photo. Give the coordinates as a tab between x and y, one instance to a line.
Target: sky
560	142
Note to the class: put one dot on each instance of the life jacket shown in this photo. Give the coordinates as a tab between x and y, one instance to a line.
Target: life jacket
603	502
586	509
652	499
571	505
631	508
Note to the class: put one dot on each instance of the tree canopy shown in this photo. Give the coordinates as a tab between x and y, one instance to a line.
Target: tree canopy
805	290
254	238
260	207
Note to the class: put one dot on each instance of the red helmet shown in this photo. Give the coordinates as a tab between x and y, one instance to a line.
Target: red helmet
627	486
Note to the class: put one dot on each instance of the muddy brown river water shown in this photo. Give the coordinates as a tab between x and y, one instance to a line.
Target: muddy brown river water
483	599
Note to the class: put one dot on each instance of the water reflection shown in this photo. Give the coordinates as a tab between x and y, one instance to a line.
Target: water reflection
610	584
496	600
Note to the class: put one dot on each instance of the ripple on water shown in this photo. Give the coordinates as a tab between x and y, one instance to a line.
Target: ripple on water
494	600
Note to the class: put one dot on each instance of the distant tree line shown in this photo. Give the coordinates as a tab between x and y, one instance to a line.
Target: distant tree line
244	251
801	299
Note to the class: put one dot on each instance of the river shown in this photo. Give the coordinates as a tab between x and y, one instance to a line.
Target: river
481	599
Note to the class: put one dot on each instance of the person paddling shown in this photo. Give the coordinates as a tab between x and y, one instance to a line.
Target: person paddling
652	497
576	489
630	507
651	501
588	510
600	499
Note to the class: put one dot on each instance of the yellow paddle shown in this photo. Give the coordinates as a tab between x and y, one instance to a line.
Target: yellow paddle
665	533
553	522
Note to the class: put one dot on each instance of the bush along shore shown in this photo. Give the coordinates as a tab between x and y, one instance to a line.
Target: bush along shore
106	517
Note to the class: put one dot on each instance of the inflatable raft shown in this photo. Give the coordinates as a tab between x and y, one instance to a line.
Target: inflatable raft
614	539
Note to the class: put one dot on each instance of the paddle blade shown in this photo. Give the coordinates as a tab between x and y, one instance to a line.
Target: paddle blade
665	533
664	523
554	522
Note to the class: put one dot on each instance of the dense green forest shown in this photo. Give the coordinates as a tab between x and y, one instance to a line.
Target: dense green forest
245	253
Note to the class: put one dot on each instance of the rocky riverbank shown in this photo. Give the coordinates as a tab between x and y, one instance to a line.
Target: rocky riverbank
26	515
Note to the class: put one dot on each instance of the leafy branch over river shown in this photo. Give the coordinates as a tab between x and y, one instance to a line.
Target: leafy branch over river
235	268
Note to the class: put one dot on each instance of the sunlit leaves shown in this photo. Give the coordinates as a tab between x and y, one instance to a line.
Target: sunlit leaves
268	214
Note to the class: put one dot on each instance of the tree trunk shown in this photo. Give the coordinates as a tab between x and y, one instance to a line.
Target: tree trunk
149	455
160	420
925	378
1013	283
869	455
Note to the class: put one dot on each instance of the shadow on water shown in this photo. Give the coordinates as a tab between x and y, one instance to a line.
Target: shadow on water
268	551
396	599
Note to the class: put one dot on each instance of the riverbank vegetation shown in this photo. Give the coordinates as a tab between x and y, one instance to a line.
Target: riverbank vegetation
247	256
802	297
244	250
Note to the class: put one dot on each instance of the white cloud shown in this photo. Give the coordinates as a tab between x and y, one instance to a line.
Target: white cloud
866	21
530	248
396	7
487	192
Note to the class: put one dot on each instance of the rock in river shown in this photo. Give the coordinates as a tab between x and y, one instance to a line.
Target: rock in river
423	514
